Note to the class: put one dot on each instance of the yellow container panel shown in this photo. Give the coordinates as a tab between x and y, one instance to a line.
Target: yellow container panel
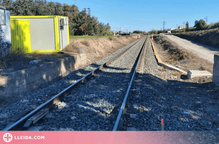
20	35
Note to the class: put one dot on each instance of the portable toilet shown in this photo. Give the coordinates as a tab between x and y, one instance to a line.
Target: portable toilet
5	32
39	33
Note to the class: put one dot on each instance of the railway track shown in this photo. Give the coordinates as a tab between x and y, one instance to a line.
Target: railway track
73	104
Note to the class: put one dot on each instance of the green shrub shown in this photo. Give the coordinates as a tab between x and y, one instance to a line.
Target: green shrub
200	24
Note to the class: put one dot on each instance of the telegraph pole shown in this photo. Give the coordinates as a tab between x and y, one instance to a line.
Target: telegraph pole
85	21
206	19
88	11
98	29
164	25
183	23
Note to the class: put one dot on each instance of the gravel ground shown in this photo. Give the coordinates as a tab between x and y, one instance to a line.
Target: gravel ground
30	101
184	106
94	105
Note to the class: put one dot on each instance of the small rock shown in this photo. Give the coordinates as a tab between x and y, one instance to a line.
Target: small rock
35	128
49	115
53	128
218	129
49	59
179	86
172	84
186	112
133	116
198	102
217	114
137	96
39	100
135	105
35	61
131	129
73	117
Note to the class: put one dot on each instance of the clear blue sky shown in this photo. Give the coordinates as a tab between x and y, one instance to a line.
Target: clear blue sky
149	14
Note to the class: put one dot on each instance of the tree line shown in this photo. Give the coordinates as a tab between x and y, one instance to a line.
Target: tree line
80	22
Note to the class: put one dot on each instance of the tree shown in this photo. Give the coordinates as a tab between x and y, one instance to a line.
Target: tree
51	8
200	24
58	9
66	9
137	31
80	23
196	23
187	26
7	3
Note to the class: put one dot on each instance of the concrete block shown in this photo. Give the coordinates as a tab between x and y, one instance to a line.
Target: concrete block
216	69
198	73
17	82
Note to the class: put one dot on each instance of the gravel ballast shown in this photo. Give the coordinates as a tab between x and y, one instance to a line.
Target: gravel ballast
30	101
94	105
184	106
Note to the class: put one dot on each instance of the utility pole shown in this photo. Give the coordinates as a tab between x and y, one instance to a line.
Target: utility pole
98	29
206	19
85	21
183	23
75	2
88	11
164	25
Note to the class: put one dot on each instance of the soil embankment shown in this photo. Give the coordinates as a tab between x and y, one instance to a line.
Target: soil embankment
93	49
22	73
171	53
207	37
97	48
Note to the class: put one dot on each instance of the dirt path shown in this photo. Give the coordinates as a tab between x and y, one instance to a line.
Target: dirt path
203	51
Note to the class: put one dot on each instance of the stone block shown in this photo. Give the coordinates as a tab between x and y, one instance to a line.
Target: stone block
198	73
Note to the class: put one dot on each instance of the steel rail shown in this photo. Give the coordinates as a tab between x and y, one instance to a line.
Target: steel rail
19	124
121	111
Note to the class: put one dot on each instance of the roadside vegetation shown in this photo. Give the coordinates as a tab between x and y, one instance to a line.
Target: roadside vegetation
198	26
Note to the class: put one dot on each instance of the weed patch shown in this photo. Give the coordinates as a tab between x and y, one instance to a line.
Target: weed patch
85	43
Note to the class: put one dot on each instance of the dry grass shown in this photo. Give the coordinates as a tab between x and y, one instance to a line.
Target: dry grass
172	53
162	69
85	43
127	36
110	38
